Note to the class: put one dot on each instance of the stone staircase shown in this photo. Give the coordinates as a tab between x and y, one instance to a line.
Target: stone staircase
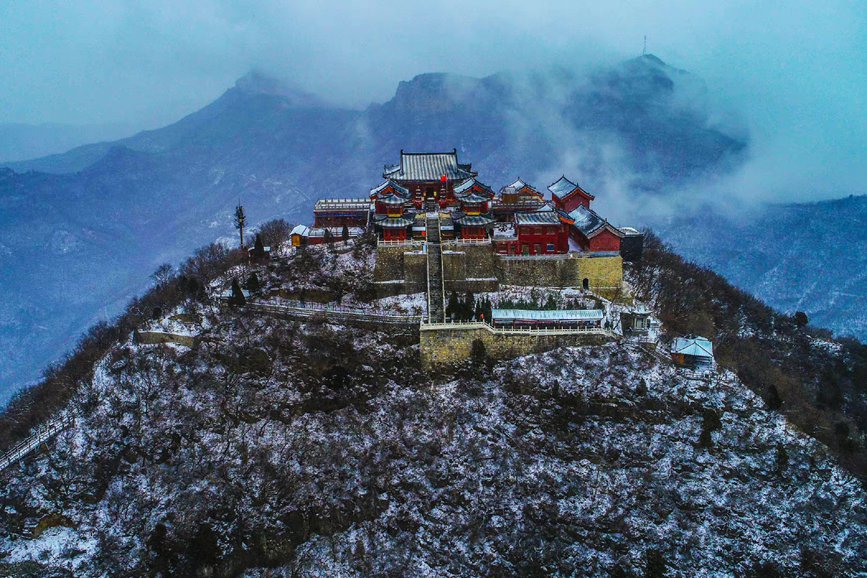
436	300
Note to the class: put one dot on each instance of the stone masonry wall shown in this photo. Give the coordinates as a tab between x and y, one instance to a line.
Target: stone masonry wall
475	268
400	268
605	275
559	271
452	345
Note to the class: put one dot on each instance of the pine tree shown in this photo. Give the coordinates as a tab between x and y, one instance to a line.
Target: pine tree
453	307
253	284
801	319
469	306
240	221
259	246
551	303
344	234
237	297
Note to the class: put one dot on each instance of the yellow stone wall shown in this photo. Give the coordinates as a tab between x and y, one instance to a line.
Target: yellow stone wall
452	345
605	274
461	262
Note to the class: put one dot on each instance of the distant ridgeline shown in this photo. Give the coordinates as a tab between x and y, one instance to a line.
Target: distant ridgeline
514	237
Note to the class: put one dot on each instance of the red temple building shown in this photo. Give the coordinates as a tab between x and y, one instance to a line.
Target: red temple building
390	214
429	176
592	233
542	232
473	218
517	221
568	196
340	212
518	196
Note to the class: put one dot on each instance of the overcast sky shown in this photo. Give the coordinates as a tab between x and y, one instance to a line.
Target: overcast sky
795	72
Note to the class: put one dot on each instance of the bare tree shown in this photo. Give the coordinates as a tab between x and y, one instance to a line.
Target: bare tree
162	275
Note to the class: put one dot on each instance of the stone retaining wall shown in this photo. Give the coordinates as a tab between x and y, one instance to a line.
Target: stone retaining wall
403	263
443	346
472	267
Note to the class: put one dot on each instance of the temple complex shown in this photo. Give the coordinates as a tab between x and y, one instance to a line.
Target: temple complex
518	236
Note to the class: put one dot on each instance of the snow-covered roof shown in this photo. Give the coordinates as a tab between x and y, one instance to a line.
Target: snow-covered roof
517	185
692	346
550	315
474	198
394	222
428	167
302	230
589	223
341	204
401	191
474	221
390	200
562	187
537	218
464	186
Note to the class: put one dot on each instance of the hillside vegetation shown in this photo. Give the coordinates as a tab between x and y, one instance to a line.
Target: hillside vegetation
283	448
809	257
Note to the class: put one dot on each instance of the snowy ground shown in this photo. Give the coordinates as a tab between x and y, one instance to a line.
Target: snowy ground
581	458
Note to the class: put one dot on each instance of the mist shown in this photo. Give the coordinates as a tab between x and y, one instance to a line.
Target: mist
791	79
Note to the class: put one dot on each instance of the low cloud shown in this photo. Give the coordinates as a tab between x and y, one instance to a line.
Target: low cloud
792	75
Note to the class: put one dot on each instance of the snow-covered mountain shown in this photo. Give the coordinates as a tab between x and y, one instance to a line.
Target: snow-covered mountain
276	447
81	231
809	257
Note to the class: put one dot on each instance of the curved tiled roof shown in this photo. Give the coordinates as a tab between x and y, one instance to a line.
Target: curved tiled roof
589	222
517	186
538	218
393	222
562	187
399	190
390	200
428	167
474	198
467	186
474	221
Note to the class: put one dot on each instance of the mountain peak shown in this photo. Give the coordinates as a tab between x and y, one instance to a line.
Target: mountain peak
258	82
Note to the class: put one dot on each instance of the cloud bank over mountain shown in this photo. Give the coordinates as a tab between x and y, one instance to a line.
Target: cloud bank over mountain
792	75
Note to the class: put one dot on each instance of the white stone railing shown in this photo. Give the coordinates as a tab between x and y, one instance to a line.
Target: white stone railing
407	243
42	434
468	242
299	309
470	325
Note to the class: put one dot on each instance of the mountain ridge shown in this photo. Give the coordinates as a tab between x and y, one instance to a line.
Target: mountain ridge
175	188
261	442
